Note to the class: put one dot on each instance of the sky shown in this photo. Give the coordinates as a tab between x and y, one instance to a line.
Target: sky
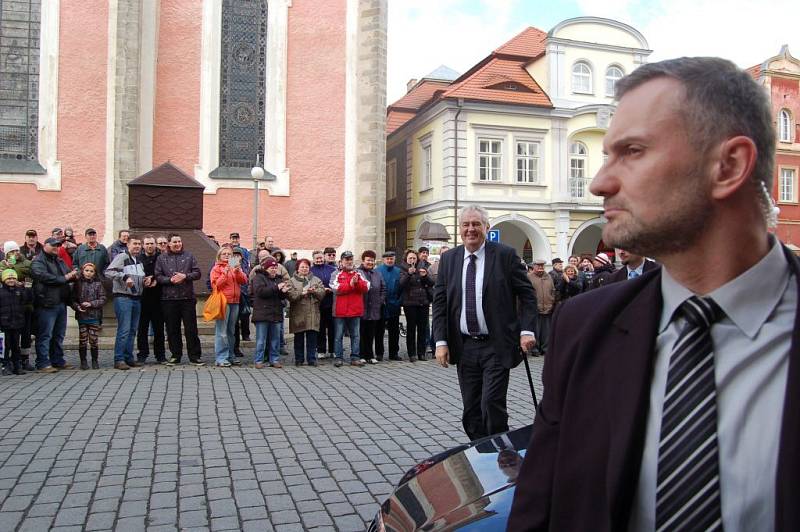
424	34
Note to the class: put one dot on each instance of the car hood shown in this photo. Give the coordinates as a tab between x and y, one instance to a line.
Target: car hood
466	488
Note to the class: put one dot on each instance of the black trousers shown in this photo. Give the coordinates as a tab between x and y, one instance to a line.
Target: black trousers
327	334
368	338
27	330
12	349
484	386
542	332
393	325
177	312
242	331
416	317
152	313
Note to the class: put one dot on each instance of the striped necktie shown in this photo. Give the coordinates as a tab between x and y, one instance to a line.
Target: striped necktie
473	326
687	489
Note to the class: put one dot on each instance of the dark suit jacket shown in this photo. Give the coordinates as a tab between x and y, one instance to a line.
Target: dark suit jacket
582	465
622	273
509	302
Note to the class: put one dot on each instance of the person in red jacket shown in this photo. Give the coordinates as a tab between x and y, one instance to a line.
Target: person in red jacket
227	277
349	287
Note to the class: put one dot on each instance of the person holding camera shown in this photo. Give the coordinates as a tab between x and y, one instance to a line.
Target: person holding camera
415	286
227	277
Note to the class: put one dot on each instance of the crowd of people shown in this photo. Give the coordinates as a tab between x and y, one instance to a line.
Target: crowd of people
150	279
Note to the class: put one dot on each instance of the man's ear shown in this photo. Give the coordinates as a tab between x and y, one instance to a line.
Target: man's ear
733	168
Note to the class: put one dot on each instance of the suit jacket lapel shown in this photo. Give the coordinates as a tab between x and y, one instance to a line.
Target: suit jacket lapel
455	278
629	352
487	268
787	511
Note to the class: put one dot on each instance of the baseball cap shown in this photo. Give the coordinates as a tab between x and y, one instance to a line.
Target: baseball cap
52	241
387	254
234	235
89	231
346	255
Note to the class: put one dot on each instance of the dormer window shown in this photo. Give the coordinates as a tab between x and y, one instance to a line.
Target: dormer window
613	74
581	78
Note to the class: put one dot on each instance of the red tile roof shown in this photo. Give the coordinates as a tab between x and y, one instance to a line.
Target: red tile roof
754	71
476	86
529	43
486	81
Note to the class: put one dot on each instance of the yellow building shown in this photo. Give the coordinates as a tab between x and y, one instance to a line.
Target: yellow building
520	133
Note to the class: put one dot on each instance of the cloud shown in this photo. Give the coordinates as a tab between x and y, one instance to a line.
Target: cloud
424	34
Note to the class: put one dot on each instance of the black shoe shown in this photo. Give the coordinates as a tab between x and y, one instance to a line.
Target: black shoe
394	357
235	362
298	363
313	364
239	354
247	339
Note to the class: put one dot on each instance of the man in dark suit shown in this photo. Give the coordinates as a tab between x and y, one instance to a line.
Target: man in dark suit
633	266
484	310
675	403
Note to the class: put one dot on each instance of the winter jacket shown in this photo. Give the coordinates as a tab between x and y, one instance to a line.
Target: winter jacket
266	298
50	289
324	272
394	296
115	249
151	293
29	253
375	297
304	309
12	306
23	268
602	275
91	291
415	289
569	289
291	266
97	256
545	292
228	281
348	300
170	263
123	268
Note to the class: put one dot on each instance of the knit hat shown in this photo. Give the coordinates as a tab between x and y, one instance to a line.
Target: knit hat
10	246
603	258
269	261
9	274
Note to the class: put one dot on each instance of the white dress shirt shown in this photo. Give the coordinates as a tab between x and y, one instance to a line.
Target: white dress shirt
751	360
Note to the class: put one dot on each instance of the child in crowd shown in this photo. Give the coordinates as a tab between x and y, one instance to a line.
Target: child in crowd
89	298
13	299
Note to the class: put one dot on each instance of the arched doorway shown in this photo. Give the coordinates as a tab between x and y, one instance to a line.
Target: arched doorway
524	235
588	238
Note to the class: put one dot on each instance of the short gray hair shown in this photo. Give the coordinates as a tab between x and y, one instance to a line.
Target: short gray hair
484	214
721	101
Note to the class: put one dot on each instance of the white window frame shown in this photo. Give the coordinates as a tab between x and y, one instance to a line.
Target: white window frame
785	126
583	158
787	184
490	156
426	161
535	159
391	180
611	80
588	75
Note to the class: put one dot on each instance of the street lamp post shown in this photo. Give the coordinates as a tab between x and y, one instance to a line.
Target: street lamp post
257	173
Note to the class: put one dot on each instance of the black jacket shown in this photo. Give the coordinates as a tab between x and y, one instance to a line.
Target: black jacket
12	306
86	291
415	290
168	264
149	264
509	302
51	287
265	297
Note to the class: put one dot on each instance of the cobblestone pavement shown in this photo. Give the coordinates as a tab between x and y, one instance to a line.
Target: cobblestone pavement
190	448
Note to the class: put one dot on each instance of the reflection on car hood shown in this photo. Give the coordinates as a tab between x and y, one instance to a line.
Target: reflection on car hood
465	488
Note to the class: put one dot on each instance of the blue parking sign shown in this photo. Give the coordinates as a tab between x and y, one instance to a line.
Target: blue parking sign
493	235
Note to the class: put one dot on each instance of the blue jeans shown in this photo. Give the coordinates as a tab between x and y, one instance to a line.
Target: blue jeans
50	336
127	310
224	334
352	325
309	338
268	333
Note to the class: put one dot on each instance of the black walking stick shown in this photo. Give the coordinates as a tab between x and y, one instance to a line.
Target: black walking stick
530	379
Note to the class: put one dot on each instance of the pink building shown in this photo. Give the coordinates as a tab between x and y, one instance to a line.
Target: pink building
95	94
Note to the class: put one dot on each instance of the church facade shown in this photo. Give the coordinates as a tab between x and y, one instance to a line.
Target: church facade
95	94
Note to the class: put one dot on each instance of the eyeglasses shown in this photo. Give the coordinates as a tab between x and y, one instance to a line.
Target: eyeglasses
162	242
